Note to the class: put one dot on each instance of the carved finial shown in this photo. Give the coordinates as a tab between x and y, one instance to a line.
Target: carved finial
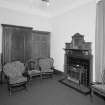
76	35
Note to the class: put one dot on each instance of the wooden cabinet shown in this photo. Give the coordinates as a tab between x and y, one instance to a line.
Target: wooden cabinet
21	43
16	43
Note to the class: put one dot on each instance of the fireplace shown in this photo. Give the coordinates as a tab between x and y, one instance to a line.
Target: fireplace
78	70
78	63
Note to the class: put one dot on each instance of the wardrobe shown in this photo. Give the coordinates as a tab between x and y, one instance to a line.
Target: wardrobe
23	43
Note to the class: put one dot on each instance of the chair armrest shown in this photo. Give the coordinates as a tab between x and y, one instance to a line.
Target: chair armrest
39	68
52	67
25	74
7	78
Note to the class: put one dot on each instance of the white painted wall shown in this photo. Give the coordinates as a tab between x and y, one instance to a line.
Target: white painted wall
13	17
82	20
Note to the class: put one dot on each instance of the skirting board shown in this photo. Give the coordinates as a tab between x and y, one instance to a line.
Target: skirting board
57	71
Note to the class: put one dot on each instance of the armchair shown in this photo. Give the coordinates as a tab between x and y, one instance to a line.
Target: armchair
14	73
46	67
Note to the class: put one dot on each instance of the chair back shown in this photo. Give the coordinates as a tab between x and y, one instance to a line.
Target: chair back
46	63
32	64
14	69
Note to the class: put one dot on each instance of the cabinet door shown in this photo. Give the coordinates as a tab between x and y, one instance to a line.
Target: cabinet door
40	44
28	45
45	46
6	44
17	46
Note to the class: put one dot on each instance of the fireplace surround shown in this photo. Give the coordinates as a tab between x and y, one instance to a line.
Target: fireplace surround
78	64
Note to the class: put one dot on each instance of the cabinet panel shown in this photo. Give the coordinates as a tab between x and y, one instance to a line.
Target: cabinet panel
28	45
40	44
17	46
6	44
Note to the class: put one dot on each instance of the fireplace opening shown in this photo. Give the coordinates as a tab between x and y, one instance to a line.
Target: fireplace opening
79	71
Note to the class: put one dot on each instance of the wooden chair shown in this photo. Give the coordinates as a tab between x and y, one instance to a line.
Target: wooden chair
32	68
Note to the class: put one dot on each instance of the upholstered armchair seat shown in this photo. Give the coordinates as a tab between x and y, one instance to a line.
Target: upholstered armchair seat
17	80
33	72
48	70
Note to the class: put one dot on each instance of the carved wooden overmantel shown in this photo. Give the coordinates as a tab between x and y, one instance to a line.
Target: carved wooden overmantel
78	42
78	63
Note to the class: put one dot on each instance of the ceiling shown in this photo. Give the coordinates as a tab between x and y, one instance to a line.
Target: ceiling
56	7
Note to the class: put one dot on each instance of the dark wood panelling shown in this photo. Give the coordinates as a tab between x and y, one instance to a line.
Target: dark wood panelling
21	43
17	46
16	43
40	44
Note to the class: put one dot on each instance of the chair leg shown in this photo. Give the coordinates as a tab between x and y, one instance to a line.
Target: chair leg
10	90
51	75
46	75
25	86
91	95
41	76
29	80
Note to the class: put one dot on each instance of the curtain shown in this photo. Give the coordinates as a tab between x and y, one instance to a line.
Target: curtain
100	40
